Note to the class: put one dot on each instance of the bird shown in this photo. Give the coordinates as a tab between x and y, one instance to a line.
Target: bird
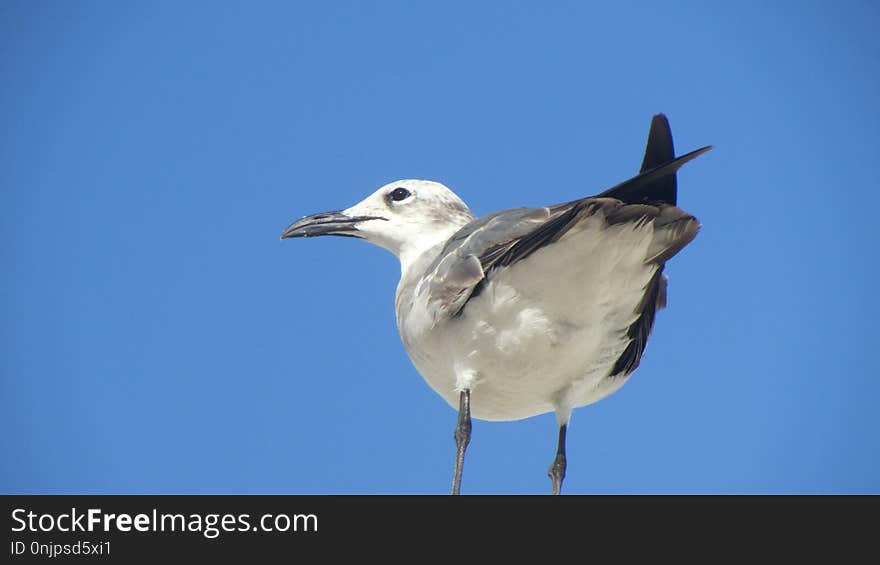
529	310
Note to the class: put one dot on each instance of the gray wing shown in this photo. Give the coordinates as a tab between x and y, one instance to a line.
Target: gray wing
471	253
467	260
503	238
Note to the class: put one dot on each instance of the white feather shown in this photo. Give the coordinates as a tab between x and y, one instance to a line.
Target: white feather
545	332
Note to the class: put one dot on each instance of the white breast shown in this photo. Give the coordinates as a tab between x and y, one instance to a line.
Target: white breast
545	332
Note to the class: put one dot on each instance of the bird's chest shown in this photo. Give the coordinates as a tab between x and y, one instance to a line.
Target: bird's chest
538	328
502	334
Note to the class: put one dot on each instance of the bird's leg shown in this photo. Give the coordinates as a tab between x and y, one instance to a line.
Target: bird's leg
557	469
462	437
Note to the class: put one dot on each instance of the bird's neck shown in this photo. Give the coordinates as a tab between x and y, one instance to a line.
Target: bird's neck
413	252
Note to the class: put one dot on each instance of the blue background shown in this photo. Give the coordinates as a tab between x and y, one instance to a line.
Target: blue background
157	337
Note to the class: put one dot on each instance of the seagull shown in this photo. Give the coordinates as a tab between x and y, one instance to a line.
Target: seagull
528	310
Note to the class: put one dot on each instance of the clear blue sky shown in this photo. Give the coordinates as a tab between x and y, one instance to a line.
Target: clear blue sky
157	337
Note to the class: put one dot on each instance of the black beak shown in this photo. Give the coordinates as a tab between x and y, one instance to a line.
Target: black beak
327	223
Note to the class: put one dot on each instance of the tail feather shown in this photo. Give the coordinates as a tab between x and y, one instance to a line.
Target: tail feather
656	182
659	148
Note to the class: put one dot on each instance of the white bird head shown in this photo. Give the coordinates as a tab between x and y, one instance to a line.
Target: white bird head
406	217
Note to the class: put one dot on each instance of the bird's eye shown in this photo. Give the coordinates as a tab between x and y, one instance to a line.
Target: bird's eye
399	194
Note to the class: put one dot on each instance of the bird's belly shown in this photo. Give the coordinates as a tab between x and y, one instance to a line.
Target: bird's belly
520	369
530	343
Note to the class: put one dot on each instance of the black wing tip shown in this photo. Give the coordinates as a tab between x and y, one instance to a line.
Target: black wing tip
660	149
656	181
660	128
694	154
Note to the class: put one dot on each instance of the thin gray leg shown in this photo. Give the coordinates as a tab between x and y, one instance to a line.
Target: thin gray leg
557	469
462	437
